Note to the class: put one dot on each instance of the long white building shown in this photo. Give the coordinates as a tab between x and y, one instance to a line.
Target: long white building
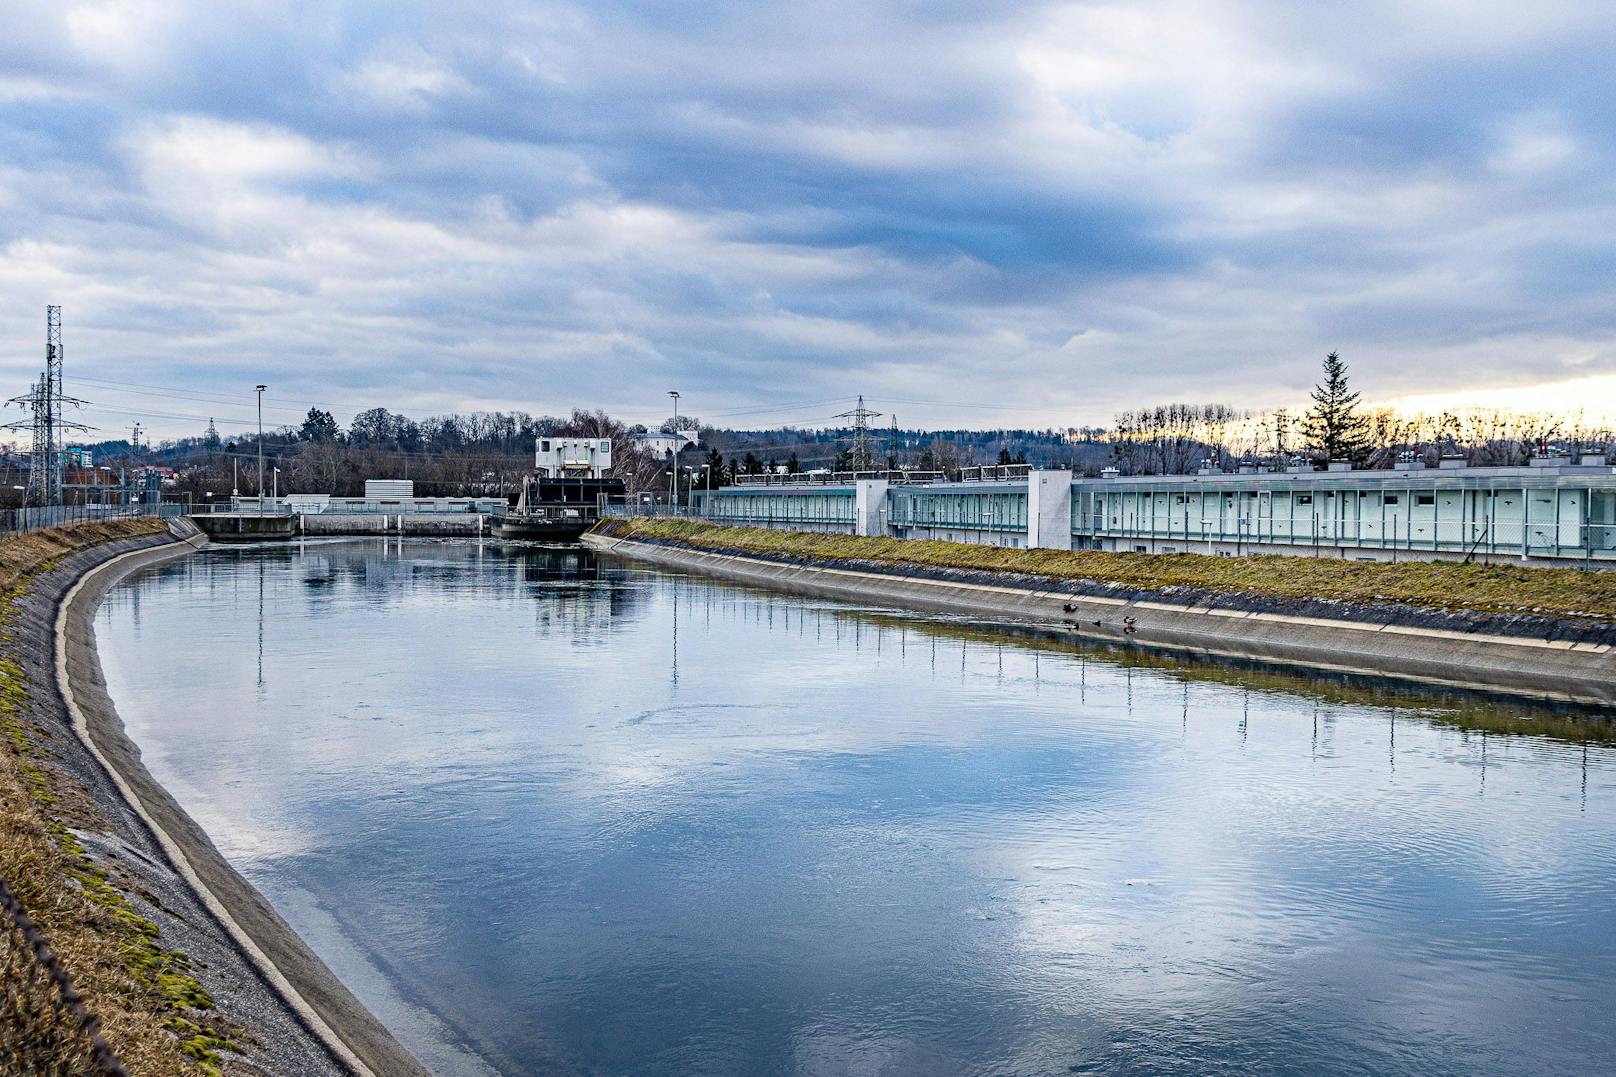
1554	511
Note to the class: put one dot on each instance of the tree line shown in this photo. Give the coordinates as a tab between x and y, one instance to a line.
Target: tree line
486	453
1175	439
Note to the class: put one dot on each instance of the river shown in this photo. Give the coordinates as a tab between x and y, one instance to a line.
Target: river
548	814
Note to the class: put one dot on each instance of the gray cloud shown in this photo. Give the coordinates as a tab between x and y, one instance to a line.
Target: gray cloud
1053	209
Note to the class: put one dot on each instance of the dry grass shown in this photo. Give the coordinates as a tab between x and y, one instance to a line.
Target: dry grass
27	553
1562	592
154	1015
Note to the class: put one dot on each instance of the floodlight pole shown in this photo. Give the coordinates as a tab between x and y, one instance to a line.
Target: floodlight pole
673	469
260	390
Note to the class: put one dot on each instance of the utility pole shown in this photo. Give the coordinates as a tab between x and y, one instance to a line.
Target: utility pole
134	452
46	425
261	389
678	443
861	416
54	402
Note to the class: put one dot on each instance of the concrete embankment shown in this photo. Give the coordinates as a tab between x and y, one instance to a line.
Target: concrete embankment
1543	658
300	1016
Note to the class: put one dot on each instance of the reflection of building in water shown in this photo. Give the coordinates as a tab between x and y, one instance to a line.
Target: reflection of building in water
567	586
575	591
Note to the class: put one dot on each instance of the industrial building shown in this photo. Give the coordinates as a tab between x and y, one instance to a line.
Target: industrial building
1553	511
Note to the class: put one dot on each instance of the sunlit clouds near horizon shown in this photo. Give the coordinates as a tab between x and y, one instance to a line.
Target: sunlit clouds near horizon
973	214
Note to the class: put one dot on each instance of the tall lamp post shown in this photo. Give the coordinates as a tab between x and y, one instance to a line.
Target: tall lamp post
261	389
673	470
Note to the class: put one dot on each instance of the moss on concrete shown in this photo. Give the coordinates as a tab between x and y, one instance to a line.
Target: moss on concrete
155	1014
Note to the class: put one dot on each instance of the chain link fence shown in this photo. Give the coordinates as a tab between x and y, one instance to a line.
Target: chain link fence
45	1031
39	517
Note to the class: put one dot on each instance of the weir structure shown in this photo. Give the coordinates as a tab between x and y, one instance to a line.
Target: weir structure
1553	512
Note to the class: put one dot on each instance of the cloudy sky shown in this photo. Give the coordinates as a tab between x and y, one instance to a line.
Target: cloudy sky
975	213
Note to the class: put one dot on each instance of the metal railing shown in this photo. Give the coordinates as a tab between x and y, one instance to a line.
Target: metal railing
40	517
837	478
648	508
44	1028
995	473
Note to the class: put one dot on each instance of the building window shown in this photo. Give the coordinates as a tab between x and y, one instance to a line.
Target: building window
1391	499
1304	499
1425	499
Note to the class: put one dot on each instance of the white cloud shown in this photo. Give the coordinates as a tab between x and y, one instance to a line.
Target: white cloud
402	76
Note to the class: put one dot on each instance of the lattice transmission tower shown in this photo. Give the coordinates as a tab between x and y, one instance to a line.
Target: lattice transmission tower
863	453
47	424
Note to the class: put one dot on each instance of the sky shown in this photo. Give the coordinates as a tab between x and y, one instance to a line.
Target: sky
977	214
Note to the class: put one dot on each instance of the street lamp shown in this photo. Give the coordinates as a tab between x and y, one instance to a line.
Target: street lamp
261	389
275	480
673	469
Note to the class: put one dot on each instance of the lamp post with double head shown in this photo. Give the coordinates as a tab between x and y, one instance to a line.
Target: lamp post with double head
673	468
260	390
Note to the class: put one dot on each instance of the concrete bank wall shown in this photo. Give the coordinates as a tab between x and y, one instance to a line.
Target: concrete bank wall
1557	669
306	1019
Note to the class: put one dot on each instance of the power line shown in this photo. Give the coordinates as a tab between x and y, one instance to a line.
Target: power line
180	394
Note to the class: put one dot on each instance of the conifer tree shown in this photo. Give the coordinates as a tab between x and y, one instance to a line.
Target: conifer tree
1333	426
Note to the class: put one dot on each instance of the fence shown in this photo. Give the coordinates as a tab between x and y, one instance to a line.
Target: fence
44	1028
648	508
39	517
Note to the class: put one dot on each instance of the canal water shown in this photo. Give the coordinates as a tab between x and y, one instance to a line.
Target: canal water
548	814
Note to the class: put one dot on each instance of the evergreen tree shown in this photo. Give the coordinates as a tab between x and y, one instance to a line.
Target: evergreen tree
715	467
1333	426
319	426
793	465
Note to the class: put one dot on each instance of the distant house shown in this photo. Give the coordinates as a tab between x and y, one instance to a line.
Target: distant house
660	445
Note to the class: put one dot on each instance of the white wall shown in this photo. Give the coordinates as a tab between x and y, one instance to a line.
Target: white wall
1049	510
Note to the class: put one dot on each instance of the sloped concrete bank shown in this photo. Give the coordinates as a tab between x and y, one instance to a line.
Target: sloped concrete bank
301	1018
1540	657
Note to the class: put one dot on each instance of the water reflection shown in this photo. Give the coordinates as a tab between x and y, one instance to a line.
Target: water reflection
549	813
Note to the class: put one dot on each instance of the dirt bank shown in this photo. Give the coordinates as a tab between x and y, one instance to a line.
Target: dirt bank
1549	657
277	1008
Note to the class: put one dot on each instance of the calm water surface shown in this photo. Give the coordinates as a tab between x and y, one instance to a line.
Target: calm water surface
545	814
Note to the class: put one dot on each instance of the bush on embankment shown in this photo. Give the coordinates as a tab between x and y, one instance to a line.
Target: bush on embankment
153	1014
1560	592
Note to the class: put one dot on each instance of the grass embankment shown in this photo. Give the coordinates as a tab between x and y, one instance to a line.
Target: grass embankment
154	1015
1561	592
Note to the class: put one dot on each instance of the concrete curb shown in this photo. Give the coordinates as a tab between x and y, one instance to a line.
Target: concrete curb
309	990
1560	670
